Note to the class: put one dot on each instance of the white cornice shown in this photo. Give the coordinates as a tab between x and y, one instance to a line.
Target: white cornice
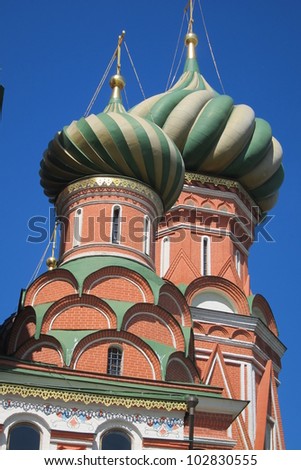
239	321
224	195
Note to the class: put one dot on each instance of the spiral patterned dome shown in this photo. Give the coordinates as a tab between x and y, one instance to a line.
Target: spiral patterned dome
215	136
113	143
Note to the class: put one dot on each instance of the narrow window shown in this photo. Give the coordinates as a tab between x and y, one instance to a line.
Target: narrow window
116	225
165	256
77	228
23	437
146	236
116	440
114	361
205	257
238	262
269	440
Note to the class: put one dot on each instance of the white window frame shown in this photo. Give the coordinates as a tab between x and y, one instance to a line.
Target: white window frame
77	227
116	241
205	256
165	256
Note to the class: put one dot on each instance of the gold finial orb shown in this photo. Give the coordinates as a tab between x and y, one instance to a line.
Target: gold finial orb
117	81
191	38
51	263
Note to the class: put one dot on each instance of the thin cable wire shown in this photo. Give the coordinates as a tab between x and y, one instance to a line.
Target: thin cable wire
36	271
126	98
134	69
51	240
210	47
176	51
176	72
100	85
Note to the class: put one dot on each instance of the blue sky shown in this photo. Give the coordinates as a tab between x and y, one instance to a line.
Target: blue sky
54	53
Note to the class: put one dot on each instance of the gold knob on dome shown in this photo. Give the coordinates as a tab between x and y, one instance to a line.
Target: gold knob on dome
191	38
51	263
117	81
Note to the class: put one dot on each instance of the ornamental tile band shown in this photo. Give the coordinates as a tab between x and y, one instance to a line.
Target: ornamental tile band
67	396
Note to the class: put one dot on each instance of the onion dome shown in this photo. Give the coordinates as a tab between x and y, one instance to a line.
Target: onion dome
214	135
113	142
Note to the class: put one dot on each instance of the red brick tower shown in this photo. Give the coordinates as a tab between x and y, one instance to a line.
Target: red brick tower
233	174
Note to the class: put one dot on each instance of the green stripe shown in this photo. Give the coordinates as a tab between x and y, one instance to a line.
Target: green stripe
77	154
206	131
191	65
270	186
120	141
89	135
253	153
53	158
163	107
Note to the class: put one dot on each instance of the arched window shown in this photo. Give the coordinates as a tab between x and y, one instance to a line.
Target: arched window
238	262
116	440
23	436
205	256
146	236
114	360
77	227
165	256
115	236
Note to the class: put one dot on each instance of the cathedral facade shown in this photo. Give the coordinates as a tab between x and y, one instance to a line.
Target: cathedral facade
144	333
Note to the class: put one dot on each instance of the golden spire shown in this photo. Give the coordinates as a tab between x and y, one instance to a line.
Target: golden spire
191	39
117	82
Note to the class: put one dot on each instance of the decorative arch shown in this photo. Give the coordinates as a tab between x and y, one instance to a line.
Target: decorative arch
118	283
241	335
181	369
218	331
198	328
222	286
261	308
46	349
190	200
139	359
224	206
24	328
79	313
50	287
174	302
153	323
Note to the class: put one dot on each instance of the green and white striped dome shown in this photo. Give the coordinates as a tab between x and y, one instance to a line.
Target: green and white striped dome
113	143
215	136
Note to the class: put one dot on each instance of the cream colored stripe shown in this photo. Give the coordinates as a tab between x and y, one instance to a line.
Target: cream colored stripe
195	82
156	149
265	169
207	86
133	143
68	159
235	136
182	117
108	143
79	139
181	80
145	107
